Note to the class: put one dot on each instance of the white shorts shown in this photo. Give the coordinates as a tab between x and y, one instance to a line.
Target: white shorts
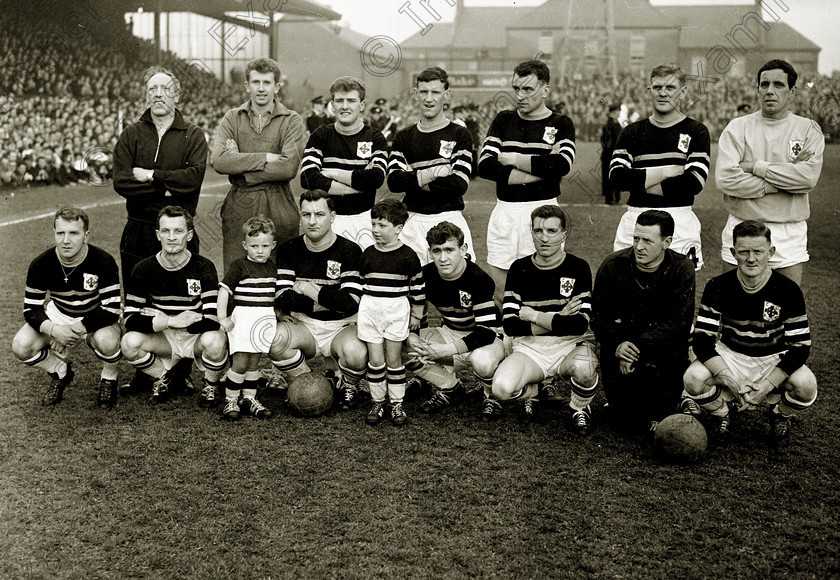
181	343
355	228
686	232
323	331
747	370
383	318
414	231
254	329
509	231
790	240
548	352
449	336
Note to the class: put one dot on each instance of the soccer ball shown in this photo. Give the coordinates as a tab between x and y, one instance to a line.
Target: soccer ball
680	438
310	394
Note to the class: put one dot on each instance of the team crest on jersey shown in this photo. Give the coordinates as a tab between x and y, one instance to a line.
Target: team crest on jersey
684	141
795	148
364	149
91	281
771	311
333	269
466	299
193	287
566	286
550	135
446	148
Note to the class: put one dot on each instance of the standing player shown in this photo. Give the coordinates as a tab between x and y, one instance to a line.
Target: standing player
663	161
431	162
768	162
84	306
348	160
319	292
752	338
463	294
391	305
158	161
318	117
547	308
251	283
526	152
259	145
171	309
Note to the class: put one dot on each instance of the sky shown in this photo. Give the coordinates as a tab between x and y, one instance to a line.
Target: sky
817	20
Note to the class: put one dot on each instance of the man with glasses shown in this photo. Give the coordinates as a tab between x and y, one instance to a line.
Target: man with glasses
526	152
663	161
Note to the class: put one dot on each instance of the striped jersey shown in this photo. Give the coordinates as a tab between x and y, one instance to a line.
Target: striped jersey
393	274
251	283
770	321
548	290
550	142
642	145
415	149
91	292
465	304
364	153
335	270
194	286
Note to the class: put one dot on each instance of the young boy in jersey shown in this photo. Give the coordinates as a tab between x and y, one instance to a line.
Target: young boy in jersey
392	303
252	284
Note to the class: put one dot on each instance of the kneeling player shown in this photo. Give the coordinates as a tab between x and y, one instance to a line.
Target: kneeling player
546	308
171	308
320	288
752	339
463	294
84	289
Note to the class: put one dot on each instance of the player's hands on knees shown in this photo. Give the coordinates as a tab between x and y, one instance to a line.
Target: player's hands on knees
757	392
66	335
184	319
628	352
728	382
226	324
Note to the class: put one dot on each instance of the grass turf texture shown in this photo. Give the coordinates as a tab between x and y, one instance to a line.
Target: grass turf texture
171	491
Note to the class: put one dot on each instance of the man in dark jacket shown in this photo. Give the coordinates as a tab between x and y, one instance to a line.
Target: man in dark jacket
158	161
609	137
643	305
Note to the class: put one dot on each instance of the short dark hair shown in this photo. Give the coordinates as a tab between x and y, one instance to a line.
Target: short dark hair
533	67
157	69
347	84
259	224
440	233
433	73
657	217
780	64
313	195
550	211
750	229
71	213
391	210
262	66
666	70
174	211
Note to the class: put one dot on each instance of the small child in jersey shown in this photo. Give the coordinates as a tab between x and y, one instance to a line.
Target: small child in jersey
250	287
392	303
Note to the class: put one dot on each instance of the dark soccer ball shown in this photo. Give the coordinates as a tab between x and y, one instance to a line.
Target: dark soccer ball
310	394
680	438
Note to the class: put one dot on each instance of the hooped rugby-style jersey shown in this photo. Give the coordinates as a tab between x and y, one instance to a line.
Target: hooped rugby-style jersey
251	284
393	274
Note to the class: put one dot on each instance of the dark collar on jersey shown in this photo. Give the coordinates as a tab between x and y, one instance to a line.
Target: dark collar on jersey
177	123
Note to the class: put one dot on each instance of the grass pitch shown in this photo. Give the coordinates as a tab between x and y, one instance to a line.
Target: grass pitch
173	492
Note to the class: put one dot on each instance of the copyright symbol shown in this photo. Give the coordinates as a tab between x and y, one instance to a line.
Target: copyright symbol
95	161
262	333
381	55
